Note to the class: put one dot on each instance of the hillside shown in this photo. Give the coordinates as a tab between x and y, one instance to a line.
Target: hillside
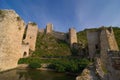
81	37
47	45
117	35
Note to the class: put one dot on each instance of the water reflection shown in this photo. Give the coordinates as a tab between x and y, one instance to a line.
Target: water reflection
34	75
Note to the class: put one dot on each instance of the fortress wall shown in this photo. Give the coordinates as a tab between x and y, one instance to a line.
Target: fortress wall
25	50
104	44
111	39
12	29
31	35
93	42
41	30
60	35
72	36
49	28
108	43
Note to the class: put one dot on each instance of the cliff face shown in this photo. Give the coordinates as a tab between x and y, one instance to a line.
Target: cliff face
12	29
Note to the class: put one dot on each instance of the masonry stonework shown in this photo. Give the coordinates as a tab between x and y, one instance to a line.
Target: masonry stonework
106	41
72	36
12	29
31	35
93	42
25	51
49	28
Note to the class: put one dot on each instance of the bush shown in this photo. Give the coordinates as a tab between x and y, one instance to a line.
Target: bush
29	60
34	65
69	65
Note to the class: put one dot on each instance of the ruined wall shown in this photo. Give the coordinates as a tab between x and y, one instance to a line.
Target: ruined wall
93	42
12	29
41	30
25	50
31	35
104	45
72	36
60	35
49	28
108	43
111	39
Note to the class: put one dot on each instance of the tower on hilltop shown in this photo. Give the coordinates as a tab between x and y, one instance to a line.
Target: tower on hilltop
49	28
72	36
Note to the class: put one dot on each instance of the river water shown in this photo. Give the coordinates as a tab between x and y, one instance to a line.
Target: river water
18	74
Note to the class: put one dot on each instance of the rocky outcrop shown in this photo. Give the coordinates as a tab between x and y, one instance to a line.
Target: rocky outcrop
88	73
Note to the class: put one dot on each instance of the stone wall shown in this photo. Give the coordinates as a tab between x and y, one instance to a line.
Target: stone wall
60	35
72	36
108	43
41	30
12	29
49	28
31	35
93	42
25	50
111	39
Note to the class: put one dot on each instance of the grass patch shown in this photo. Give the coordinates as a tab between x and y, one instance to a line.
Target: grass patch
2	14
104	69
47	45
33	23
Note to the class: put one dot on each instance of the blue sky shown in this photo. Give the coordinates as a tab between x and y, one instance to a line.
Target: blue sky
63	14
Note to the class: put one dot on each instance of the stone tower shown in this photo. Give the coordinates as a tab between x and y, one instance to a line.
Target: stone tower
107	43
12	29
93	42
72	36
101	41
49	28
31	35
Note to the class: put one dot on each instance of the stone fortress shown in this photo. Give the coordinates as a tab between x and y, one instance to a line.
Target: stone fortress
104	49
18	40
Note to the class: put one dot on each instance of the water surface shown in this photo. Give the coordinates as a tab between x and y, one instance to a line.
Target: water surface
18	74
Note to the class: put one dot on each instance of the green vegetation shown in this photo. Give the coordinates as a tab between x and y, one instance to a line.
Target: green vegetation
2	14
33	23
69	65
34	65
49	46
104	69
73	65
29	60
117	35
18	18
82	37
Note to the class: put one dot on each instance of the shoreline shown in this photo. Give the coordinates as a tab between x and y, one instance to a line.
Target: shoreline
25	66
